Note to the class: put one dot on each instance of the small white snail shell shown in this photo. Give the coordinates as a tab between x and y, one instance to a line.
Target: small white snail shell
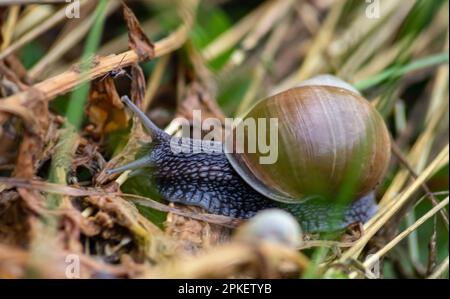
272	225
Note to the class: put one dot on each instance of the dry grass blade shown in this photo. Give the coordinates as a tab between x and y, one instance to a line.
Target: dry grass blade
313	57
100	66
420	150
229	38
226	261
154	81
8	28
141	200
269	21
66	43
440	269
385	214
359	29
397	152
260	70
381	36
376	256
59	16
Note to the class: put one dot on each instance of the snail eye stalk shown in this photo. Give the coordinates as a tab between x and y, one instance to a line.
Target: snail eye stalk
153	130
156	133
142	162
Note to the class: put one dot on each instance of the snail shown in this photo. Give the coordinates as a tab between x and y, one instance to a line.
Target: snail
333	145
271	225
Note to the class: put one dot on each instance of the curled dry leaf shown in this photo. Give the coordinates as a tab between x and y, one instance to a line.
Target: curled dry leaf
352	233
11	74
198	98
89	157
14	226
138	84
34	139
10	134
105	110
137	40
137	134
15	64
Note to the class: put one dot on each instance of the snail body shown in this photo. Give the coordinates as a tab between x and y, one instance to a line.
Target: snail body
326	132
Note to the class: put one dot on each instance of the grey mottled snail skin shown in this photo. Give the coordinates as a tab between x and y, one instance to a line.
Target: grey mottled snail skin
326	132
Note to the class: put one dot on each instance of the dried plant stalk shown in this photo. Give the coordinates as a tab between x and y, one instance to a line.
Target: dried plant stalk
99	66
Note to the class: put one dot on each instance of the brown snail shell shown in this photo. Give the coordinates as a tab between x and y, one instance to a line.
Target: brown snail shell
330	140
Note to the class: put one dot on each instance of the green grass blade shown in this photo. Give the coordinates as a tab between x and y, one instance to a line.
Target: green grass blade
79	96
397	71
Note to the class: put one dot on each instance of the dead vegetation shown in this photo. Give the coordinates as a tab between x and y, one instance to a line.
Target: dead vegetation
57	203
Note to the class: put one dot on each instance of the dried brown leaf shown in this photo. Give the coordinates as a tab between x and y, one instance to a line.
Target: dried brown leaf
138	41
14	225
105	110
198	98
137	134
88	156
33	142
10	135
353	232
138	85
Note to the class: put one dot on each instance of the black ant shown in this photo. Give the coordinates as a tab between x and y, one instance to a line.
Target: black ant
117	72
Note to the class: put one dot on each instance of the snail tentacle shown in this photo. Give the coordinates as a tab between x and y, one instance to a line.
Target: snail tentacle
153	130
142	162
